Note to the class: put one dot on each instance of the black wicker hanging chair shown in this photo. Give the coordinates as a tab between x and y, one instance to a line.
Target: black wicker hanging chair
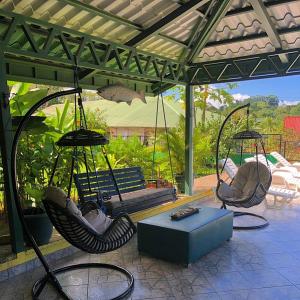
78	234
73	229
253	179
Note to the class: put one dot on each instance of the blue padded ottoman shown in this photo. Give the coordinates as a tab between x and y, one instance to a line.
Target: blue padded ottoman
186	240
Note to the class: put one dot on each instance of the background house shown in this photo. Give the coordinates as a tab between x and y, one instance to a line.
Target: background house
137	119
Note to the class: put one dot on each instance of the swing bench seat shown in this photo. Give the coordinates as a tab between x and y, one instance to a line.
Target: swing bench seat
132	187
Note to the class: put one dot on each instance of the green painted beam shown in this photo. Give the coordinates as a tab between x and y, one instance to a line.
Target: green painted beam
105	57
107	15
263	16
179	12
155	28
25	71
197	27
266	21
6	138
251	37
247	9
198	11
102	13
266	65
217	14
173	40
189	111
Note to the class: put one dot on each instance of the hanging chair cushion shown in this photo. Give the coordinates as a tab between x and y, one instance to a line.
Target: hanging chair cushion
58	196
247	186
229	192
98	220
95	219
247	178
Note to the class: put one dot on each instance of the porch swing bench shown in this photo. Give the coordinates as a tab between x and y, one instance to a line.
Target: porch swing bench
134	195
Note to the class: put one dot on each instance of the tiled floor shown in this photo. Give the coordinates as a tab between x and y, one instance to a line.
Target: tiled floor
261	264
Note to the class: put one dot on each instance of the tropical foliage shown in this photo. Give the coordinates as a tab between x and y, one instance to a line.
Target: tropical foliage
37	149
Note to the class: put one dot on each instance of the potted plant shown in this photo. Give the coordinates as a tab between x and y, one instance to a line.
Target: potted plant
35	157
30	161
31	169
39	225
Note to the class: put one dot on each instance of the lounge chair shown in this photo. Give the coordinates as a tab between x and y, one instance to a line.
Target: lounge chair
277	192
282	161
286	176
273	167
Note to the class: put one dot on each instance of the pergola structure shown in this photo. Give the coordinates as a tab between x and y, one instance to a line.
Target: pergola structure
148	45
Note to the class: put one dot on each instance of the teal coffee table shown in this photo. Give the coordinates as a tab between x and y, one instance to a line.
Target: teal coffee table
186	240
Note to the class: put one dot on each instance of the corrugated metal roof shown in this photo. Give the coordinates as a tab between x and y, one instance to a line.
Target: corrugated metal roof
284	16
144	13
241	32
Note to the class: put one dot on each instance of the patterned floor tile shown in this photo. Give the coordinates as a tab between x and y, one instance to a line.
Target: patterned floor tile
281	260
191	285
106	290
235	295
152	288
229	281
261	264
265	278
292	273
275	293
76	277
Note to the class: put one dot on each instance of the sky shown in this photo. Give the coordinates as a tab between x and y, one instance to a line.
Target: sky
286	88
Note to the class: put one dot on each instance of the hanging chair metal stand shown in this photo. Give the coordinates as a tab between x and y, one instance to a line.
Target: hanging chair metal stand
244	213
244	135
50	276
40	284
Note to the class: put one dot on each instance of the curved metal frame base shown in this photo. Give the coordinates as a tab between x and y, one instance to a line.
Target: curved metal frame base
51	278
242	213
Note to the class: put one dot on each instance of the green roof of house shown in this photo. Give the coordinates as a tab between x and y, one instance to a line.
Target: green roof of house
138	114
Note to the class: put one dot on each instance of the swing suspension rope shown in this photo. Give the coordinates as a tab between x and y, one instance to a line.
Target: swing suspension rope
160	96
155	136
82	125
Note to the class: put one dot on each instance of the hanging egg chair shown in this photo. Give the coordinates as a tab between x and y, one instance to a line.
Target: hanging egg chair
252	180
87	228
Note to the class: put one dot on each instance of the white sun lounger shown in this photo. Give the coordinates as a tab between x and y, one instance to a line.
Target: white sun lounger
273	167
281	176
277	192
281	159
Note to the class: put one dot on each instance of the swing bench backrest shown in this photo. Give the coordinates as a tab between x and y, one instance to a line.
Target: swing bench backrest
135	196
128	180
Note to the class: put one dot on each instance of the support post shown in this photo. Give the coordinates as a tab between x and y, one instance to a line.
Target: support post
189	111
6	137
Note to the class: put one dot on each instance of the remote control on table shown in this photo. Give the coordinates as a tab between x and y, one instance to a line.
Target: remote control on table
184	212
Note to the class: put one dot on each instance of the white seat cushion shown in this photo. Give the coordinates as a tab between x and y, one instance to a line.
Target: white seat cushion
98	220
95	219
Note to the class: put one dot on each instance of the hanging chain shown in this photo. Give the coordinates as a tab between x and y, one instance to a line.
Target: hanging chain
83	125
155	137
167	135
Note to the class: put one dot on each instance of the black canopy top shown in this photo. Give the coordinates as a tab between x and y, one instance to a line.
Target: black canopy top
247	135
82	137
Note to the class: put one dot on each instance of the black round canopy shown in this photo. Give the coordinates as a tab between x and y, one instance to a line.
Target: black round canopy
82	137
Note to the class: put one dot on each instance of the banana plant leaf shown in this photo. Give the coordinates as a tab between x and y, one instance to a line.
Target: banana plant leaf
35	124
